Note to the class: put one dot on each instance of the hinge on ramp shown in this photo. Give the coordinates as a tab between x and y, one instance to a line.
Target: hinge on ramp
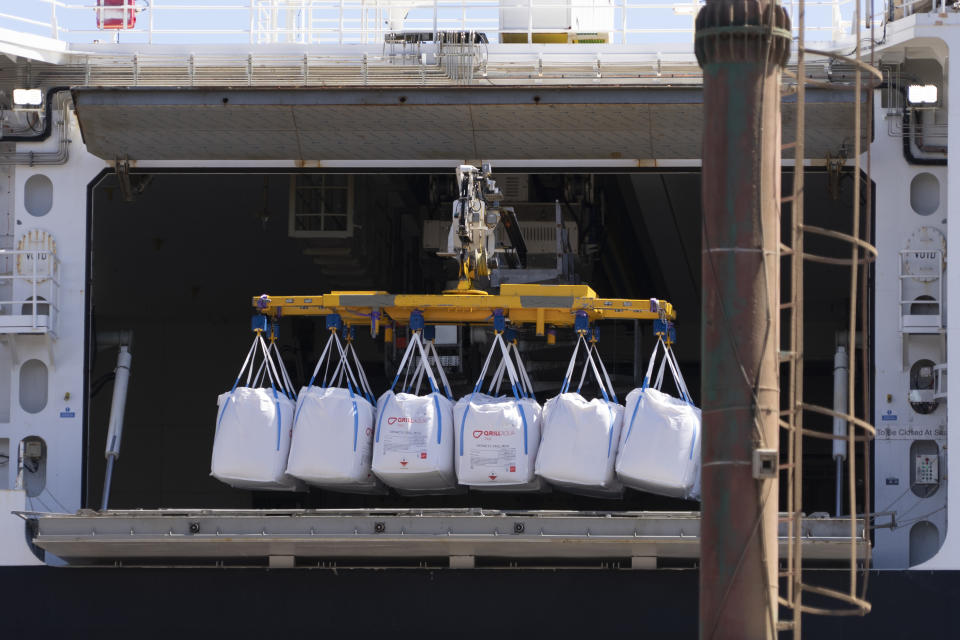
130	185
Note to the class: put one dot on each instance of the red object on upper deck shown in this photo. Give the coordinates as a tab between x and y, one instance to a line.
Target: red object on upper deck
116	14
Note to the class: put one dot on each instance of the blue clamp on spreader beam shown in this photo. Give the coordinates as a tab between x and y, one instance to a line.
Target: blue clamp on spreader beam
334	321
416	320
259	323
581	324
510	335
429	332
351	333
499	321
666	330
594	333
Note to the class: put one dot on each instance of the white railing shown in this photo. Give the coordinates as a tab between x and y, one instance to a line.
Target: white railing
31	281
931	270
368	21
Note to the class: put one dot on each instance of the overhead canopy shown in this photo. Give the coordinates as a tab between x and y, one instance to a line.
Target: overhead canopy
430	123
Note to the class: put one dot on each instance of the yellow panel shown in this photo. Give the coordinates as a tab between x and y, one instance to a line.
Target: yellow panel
575	290
513	38
357	293
538	38
550	38
538	305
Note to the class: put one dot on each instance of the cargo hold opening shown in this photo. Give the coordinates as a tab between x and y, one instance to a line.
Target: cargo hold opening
178	267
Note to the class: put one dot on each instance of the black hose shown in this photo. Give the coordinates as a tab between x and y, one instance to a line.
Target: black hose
907	129
101	382
908	149
47	120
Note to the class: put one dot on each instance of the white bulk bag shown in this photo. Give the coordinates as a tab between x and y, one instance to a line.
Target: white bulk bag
580	436
252	437
497	438
660	452
333	426
695	491
371	484
413	440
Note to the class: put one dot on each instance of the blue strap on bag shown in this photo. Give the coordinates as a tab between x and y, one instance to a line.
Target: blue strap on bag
669	359
267	369
514	385
423	366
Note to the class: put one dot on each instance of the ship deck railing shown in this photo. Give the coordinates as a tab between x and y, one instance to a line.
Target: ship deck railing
343	22
173	44
30	280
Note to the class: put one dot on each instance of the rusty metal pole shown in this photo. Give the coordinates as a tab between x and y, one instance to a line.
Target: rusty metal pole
741	46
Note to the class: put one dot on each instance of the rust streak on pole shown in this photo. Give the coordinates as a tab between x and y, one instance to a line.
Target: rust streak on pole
741	46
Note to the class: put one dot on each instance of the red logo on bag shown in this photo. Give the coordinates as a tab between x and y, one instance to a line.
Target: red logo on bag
513	468
423	455
478	433
403	462
493	476
395	420
482	432
369	431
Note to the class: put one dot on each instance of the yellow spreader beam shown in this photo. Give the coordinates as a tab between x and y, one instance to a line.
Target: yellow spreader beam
535	304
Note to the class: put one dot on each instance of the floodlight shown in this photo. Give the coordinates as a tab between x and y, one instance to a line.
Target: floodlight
27	97
922	94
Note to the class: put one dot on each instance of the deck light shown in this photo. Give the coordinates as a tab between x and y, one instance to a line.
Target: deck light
27	97
922	94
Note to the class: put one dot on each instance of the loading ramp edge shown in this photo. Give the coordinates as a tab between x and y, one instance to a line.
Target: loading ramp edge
212	534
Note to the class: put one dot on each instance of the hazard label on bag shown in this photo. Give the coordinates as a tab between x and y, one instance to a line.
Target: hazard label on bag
494	456
411	442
